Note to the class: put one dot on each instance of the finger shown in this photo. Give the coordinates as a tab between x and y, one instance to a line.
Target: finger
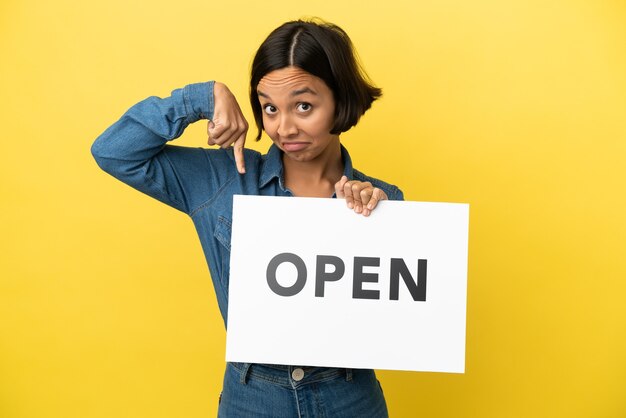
339	187
231	132
234	134
366	195
359	191
347	194
217	128
209	128
356	195
238	151
377	196
224	136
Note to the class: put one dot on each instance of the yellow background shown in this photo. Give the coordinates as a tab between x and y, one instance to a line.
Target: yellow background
517	107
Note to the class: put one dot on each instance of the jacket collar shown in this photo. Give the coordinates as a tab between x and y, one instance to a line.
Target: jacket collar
273	166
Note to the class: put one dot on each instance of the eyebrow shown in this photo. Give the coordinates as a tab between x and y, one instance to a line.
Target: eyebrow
292	94
302	91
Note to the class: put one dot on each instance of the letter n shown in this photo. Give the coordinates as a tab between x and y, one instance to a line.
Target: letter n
417	288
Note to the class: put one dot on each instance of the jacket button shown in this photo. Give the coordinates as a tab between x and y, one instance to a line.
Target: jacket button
297	374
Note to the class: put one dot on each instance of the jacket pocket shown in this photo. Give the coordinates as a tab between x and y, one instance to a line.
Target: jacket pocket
223	231
222	234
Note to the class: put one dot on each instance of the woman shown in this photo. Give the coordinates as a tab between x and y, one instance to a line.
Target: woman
306	88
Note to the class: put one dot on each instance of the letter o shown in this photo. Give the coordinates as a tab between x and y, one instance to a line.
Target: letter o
271	274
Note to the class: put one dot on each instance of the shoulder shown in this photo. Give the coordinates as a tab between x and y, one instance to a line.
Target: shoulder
392	191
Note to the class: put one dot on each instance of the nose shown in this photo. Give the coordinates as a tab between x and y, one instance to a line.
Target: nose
287	126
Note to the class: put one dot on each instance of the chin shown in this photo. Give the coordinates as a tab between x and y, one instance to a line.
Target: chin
300	156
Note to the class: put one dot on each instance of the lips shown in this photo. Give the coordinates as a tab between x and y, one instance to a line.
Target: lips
294	146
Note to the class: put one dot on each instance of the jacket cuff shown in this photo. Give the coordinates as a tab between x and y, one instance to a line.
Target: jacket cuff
199	101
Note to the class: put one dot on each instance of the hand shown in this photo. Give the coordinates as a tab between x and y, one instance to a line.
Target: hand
228	126
360	196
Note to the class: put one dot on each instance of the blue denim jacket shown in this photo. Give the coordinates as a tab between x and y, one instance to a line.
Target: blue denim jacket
197	181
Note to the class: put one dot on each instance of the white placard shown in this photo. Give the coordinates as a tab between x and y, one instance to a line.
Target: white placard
368	316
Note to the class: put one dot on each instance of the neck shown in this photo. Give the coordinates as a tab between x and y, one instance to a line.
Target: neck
317	177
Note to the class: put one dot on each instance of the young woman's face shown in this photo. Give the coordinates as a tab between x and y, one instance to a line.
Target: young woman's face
298	113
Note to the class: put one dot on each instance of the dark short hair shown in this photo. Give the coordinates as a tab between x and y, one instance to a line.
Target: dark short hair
325	51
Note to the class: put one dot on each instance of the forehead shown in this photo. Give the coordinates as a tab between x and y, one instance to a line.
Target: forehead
289	79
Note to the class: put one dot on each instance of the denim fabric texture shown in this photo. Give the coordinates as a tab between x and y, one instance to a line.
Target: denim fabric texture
201	182
270	391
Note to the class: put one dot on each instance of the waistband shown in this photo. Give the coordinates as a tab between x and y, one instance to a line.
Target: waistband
288	376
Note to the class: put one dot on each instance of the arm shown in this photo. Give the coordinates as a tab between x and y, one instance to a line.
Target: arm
135	149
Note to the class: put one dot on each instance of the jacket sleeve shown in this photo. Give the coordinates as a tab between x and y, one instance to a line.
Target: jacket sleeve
135	150
397	195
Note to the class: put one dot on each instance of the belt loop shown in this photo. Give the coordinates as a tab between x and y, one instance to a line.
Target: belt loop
244	372
348	375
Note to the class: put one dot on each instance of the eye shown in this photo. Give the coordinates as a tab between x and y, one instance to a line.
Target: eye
269	109
304	107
